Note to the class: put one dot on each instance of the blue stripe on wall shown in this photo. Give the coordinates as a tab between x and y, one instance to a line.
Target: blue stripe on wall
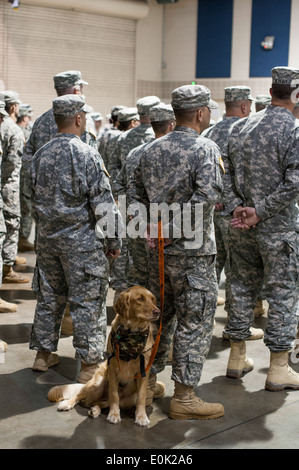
269	18
214	37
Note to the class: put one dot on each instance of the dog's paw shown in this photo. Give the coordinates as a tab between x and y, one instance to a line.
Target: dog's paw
94	411
114	418
142	420
64	405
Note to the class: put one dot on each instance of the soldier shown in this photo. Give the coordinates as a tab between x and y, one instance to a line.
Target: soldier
5	307
128	119
109	133
238	101
183	167
12	139
133	137
45	128
162	121
23	121
261	191
69	181
98	120
261	102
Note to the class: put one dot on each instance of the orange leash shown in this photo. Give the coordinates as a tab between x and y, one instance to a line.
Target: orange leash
161	277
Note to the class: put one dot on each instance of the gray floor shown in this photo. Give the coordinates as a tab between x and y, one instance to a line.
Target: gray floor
254	418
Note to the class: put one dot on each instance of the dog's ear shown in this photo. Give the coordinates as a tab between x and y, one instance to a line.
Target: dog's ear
122	305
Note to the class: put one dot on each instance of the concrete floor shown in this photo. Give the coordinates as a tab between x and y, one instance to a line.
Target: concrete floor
254	418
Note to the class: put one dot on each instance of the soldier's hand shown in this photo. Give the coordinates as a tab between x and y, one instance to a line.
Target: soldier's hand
244	218
112	254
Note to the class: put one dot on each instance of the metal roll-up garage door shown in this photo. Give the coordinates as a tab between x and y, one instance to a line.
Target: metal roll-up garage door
38	42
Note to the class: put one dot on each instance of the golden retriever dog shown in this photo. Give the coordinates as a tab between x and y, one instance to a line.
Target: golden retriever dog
121	381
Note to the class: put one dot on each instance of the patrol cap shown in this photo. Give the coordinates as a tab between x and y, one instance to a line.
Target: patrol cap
161	112
263	100
192	96
115	109
2	109
10	97
96	116
144	104
237	93
25	110
127	114
68	78
69	105
285	76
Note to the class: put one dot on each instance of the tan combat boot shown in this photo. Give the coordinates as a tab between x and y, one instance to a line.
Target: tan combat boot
259	309
256	333
25	245
10	276
238	363
154	389
20	260
186	405
44	360
280	374
87	372
7	307
3	346
67	323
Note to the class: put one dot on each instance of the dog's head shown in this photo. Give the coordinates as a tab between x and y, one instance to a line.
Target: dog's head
137	304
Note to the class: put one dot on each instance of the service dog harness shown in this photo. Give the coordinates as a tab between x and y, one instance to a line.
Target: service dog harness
128	345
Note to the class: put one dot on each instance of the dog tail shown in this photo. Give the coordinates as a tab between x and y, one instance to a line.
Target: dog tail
64	392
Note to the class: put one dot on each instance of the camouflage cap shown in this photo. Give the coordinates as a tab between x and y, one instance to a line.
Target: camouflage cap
115	109
285	76
68	78
264	100
127	114
2	109
192	96
69	105
237	93
144	104
96	116
10	97
25	110
161	112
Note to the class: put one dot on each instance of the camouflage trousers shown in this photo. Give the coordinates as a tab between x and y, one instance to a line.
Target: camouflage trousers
269	261
190	301
26	206
119	269
139	259
10	245
81	279
221	224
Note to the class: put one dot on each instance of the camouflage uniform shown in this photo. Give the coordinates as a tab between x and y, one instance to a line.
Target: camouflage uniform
12	139
122	145
220	134
266	256
107	135
69	180
25	190
138	249
178	168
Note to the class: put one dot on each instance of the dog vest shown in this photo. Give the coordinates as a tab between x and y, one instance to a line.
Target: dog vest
130	345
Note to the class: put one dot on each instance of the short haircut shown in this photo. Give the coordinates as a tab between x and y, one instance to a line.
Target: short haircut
282	92
64	121
67	91
160	127
186	115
